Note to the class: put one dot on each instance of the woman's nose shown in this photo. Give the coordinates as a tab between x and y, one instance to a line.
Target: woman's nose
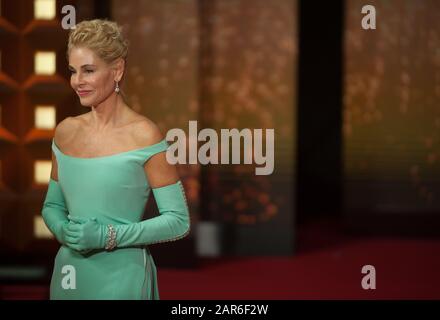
77	79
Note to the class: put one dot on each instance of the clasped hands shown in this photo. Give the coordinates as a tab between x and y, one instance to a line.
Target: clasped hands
83	234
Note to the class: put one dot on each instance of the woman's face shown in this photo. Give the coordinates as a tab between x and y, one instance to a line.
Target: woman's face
91	77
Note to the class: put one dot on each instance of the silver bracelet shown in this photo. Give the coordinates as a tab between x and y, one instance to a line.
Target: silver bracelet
111	238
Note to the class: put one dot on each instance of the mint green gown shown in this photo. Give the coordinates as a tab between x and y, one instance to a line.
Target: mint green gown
114	190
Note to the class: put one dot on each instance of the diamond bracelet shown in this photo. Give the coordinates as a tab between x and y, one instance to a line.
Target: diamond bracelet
111	238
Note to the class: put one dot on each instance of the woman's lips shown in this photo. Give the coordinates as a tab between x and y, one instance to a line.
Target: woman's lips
83	93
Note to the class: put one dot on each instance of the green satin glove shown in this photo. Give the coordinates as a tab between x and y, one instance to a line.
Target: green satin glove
84	235
54	211
172	224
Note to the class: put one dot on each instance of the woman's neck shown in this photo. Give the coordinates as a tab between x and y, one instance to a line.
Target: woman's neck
109	114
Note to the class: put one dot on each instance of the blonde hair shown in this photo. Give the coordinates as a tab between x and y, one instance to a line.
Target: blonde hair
102	37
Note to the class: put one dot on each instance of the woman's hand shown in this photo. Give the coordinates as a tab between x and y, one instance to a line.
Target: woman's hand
62	233
84	235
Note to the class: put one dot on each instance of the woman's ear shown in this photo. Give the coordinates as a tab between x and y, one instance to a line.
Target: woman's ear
119	67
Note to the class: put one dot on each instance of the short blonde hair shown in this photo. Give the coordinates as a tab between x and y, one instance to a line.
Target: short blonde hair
103	37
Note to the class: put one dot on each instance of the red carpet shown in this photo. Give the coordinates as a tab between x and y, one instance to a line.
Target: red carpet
327	266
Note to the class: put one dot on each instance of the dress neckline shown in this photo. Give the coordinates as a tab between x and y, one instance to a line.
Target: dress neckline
110	155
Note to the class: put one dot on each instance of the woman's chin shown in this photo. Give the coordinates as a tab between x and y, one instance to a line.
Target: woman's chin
86	103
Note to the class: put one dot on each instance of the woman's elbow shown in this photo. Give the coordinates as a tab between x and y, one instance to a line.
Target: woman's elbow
185	224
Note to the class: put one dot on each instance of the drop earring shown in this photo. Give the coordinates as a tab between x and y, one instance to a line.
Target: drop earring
117	87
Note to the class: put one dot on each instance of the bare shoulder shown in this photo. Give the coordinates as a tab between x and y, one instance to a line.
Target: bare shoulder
65	129
145	132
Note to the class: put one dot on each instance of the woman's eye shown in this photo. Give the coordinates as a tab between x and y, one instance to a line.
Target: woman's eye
86	71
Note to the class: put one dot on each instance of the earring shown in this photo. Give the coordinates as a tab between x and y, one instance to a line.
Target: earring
117	87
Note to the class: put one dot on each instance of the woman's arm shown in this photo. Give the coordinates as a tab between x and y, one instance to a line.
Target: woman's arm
54	210
173	223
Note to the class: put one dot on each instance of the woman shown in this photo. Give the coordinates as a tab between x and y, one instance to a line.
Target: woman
104	165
